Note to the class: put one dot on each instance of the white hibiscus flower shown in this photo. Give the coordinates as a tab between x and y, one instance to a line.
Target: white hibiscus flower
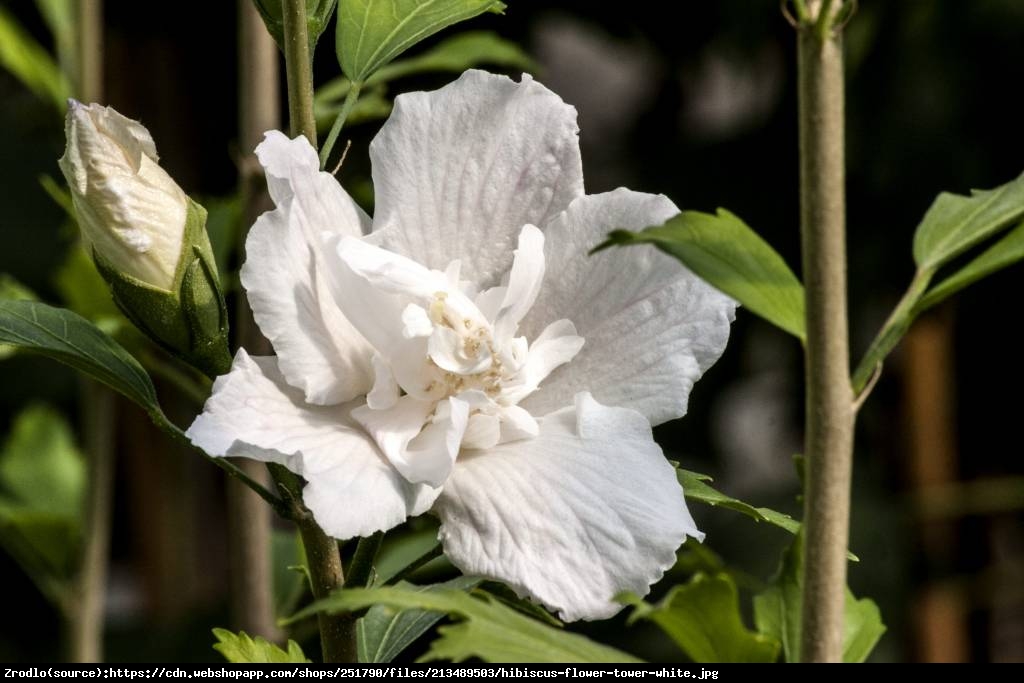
461	353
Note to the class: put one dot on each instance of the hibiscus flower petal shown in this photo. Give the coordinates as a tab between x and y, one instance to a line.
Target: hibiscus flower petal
287	280
459	171
352	490
651	326
587	509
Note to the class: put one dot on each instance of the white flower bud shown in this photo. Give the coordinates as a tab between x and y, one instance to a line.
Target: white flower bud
131	212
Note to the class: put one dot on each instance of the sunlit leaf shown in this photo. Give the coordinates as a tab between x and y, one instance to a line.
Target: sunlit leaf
485	629
373	32
955	223
240	648
703	619
723	250
1007	250
777	612
27	61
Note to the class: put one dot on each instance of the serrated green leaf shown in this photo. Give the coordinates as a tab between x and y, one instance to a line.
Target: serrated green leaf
1005	252
384	632
71	339
318	15
695	487
27	61
370	33
777	612
955	223
240	648
703	618
486	629
725	252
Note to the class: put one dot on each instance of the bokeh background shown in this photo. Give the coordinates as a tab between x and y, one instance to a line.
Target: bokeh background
695	100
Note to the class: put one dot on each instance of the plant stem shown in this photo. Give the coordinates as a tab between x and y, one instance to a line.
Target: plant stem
86	614
298	64
86	618
360	569
829	408
339	123
337	632
249	520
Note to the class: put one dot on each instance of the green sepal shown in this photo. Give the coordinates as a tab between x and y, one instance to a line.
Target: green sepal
191	320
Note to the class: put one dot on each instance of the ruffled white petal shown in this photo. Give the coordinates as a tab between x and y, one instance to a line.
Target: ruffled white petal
651	327
459	171
288	275
420	438
584	511
524	283
352	490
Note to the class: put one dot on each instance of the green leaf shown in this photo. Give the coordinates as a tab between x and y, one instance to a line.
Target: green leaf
318	15
59	16
370	106
695	487
241	649
71	339
703	618
486	628
40	467
458	53
955	223
42	486
777	612
723	250
27	61
1005	252
10	288
384	632
373	32
400	551
84	291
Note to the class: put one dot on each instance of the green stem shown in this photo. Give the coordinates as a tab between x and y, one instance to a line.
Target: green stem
360	570
298	63
829	400
339	123
892	331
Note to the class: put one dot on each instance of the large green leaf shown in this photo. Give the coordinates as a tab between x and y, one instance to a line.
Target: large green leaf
723	250
73	340
384	632
486	628
26	60
240	648
401	551
703	618
1006	251
777	612
373	32
318	15
955	223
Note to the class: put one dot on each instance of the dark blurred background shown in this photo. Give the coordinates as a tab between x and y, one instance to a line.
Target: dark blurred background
695	100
